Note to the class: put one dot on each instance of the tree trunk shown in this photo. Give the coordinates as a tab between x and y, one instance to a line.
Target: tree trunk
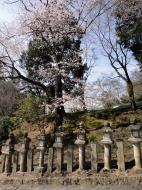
131	95
82	101
58	87
60	108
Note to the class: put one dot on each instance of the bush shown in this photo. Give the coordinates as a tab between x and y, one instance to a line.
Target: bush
69	127
29	110
91	122
93	136
5	127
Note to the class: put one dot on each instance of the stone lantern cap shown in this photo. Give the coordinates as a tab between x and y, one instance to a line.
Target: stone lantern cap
81	134
42	136
107	128
135	127
80	142
42	140
25	142
81	128
107	134
9	145
81	125
59	139
59	134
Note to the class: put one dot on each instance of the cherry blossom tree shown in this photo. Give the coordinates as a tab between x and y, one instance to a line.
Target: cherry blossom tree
59	24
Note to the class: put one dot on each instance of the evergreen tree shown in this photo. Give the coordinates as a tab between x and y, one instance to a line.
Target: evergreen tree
129	26
53	58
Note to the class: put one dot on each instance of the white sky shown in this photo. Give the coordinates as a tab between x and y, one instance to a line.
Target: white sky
7	12
102	67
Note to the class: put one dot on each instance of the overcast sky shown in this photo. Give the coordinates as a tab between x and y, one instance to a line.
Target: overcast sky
8	14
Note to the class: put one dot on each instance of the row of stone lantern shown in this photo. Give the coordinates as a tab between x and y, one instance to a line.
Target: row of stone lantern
106	142
10	155
135	139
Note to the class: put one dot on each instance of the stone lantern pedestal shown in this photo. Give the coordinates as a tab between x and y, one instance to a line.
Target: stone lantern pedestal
42	148
135	139
59	150
25	142
80	142
106	142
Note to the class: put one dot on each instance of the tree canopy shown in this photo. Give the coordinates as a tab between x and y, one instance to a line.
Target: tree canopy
53	57
129	26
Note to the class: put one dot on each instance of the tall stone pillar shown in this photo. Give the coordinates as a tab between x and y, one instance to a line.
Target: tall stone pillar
120	155
15	158
42	148
135	139
94	158
25	142
80	142
3	158
30	159
59	151
8	150
70	159
106	142
50	160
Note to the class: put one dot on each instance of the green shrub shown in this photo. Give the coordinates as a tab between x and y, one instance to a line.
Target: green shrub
29	110
93	136
91	122
5	127
15	122
69	127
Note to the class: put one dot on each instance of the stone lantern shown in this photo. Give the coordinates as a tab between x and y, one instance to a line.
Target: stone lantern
25	142
59	149
42	148
106	142
80	142
8	150
135	139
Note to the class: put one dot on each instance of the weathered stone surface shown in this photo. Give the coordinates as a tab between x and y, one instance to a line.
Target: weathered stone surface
106	142
42	148
70	159
94	159
50	160
3	158
120	155
15	158
25	142
59	162
59	151
30	160
135	139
